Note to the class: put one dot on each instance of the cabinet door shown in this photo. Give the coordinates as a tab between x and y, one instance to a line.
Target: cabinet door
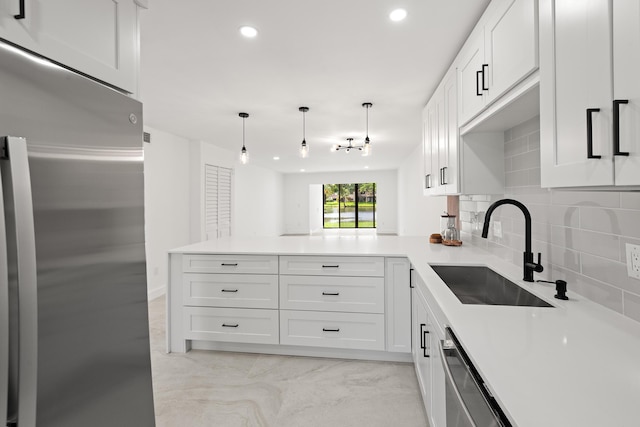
511	45
471	78
421	345
626	67
449	152
98	37
427	151
398	305
575	75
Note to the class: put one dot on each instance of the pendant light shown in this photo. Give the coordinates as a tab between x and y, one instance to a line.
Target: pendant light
367	142
244	157
304	148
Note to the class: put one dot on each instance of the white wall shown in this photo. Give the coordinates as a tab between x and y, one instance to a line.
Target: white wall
166	199
418	215
257	200
202	153
296	197
256	203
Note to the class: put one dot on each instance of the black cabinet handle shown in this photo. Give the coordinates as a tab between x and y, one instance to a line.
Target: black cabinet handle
335	294
330	266
226	325
330	329
485	67
478	74
424	349
427	181
616	127
229	264
22	13
590	112
422	325
444	177
229	290
411	278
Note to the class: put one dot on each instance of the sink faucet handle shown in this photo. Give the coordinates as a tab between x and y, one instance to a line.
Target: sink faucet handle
538	267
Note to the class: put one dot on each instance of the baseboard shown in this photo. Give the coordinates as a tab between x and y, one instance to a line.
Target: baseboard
156	292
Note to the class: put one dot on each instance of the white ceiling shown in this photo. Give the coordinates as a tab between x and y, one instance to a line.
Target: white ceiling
198	73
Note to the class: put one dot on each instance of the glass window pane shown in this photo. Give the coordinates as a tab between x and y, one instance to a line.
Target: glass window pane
366	205
347	206
330	202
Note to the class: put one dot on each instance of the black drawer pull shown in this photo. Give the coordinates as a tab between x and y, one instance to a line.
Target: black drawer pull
330	266
225	325
590	112
485	67
424	349
22	14
330	329
224	264
422	325
616	127
229	290
335	294
478	74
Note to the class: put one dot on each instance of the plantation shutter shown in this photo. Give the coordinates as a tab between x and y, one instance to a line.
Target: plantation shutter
217	201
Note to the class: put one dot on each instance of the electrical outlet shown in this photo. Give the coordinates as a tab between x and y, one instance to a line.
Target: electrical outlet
633	260
497	229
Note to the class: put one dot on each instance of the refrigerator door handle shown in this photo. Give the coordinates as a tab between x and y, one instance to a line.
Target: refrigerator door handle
4	312
17	183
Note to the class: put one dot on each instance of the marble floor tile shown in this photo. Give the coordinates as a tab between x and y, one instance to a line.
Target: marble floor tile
211	388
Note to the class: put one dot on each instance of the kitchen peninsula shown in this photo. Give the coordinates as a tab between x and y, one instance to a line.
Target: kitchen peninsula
573	364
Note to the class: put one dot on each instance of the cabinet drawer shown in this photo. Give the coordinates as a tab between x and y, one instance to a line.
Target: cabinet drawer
230	290
332	266
351	294
338	330
255	264
231	324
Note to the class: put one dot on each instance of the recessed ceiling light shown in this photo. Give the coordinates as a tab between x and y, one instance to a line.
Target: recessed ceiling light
276	158
249	32
301	170
366	167
398	15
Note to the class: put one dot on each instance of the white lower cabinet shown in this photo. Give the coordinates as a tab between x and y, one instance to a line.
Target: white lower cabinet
427	336
349	294
332	302
231	325
358	331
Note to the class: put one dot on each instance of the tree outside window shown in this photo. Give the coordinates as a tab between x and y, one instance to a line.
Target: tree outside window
349	205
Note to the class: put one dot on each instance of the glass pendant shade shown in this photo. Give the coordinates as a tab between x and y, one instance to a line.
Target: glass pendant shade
244	156
304	147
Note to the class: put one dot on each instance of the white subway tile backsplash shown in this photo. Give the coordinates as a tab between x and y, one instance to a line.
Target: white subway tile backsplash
632	306
581	234
528	160
517	146
596	291
630	200
612	272
534	141
563	257
525	128
516	178
586	198
612	221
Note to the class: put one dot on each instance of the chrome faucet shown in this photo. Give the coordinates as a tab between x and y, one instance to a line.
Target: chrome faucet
528	265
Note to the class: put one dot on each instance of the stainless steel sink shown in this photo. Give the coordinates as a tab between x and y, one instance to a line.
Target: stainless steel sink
481	285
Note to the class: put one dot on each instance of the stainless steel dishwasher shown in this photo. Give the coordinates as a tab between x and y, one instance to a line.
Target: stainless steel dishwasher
469	403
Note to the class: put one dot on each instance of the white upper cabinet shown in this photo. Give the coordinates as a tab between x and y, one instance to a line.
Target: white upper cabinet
98	38
584	141
626	88
501	51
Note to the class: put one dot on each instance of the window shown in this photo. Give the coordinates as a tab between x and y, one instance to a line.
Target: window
349	205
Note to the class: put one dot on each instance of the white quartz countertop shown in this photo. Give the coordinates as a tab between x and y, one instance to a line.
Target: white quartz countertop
577	364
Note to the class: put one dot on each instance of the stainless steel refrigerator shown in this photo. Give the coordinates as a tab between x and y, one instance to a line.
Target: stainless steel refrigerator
74	328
